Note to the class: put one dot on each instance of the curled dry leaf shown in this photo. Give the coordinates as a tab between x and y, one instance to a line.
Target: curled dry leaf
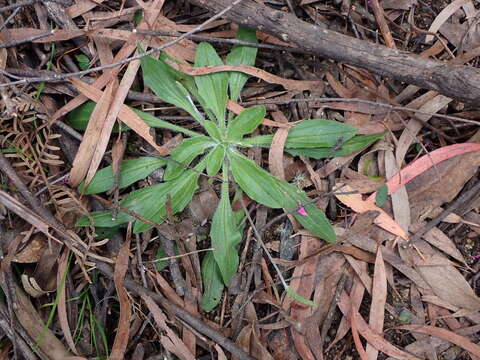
445	334
357	204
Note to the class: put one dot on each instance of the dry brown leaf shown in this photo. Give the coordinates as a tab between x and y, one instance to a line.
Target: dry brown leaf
450	285
90	143
400	203
445	334
33	251
252	71
170	341
275	154
414	126
62	305
127	115
379	298
33	324
437	238
357	204
356	297
356	338
443	16
370	335
81	6
121	337
436	186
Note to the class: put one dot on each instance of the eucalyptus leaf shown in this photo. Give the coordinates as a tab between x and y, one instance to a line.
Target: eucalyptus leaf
130	172
158	76
315	133
246	122
212	283
185	153
225	235
212	88
351	146
79	118
241	55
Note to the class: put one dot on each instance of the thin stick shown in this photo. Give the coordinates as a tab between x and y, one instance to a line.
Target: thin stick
360	101
61	77
223	41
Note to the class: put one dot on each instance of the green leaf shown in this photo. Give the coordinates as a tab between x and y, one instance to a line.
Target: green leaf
382	195
266	189
258	184
153	121
78	118
130	172
158	76
212	283
185	153
212	87
246	122
215	160
83	61
313	133
161	254
298	297
150	203
351	146
311	217
241	55
225	235
212	129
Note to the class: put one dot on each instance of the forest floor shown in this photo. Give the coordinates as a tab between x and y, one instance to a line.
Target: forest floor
161	257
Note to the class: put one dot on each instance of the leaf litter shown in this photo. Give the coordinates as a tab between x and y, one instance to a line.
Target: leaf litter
314	301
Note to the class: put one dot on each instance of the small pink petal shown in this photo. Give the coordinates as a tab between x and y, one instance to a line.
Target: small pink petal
477	256
302	211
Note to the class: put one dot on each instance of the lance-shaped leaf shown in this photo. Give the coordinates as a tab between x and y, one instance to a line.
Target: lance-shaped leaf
258	184
150	203
315	133
355	144
185	153
241	55
310	216
158	76
225	234
212	88
266	189
214	160
212	283
246	122
130	172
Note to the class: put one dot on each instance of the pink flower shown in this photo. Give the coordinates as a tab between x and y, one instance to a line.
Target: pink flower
302	211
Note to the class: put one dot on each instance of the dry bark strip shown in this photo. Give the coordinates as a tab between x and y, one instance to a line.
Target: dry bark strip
460	82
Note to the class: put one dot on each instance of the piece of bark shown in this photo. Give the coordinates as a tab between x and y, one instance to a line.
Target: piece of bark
460	82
